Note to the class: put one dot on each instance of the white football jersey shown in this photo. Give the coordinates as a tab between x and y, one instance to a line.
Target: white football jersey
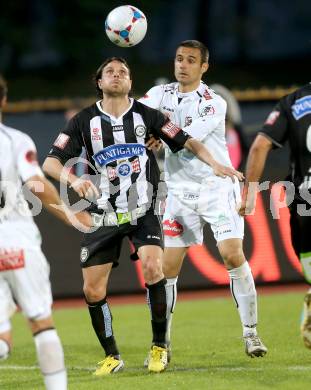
18	163
201	113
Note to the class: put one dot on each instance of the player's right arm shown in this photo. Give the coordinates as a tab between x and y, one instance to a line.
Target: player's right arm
68	145
273	134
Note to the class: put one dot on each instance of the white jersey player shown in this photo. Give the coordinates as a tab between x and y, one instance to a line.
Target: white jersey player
24	270
195	194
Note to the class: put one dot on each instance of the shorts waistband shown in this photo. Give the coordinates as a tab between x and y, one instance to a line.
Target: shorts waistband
115	219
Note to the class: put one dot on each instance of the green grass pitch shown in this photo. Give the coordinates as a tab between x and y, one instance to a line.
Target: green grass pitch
207	349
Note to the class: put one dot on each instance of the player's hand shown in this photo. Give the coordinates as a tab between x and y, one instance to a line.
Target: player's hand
224	171
85	189
85	219
248	203
154	144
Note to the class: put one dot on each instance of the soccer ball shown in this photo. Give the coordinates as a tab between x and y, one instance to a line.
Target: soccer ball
126	26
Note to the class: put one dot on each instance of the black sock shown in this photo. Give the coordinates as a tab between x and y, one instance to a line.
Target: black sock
156	296
102	323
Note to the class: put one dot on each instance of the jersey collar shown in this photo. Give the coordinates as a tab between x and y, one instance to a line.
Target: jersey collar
113	118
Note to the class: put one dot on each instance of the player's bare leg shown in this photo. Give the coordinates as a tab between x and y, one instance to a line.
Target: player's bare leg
50	353
151	257
95	290
243	291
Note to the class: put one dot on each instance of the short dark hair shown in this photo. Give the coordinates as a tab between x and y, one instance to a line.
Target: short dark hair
3	88
196	45
98	74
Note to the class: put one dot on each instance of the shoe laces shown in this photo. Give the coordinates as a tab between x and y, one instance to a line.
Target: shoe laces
254	339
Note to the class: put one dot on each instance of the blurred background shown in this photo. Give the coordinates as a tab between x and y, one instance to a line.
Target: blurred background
259	51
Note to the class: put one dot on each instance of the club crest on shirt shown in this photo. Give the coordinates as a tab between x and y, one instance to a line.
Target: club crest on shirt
140	130
208	111
188	121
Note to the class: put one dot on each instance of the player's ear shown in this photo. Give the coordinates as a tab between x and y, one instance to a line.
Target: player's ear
205	66
99	83
3	101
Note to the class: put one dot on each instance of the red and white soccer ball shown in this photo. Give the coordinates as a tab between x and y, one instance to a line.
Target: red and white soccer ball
126	26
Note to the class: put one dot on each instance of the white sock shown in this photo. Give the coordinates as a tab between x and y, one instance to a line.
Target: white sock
4	350
51	359
244	294
171	297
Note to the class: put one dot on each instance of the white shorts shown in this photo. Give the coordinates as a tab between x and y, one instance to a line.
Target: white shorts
24	279
190	208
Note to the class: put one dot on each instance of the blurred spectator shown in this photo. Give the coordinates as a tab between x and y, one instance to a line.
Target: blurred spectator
235	136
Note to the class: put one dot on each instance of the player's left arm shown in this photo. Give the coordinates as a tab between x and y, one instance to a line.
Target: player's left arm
177	139
41	187
203	154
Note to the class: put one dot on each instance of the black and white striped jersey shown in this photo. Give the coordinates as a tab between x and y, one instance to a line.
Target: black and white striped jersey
115	147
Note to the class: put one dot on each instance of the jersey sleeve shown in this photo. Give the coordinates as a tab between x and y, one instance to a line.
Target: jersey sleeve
211	114
69	143
172	135
26	158
275	127
153	97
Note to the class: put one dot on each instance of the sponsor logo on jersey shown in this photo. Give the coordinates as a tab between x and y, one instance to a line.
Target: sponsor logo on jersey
302	107
206	95
153	237
140	130
191	195
172	228
188	121
96	134
120	170
117	152
272	117
168	108
11	259
117	128
84	254
170	129
208	111
61	141
31	157
124	169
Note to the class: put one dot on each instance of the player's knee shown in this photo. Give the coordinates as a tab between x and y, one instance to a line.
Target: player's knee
152	269
49	351
94	293
233	258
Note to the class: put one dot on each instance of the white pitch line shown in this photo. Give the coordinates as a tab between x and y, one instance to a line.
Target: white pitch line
172	369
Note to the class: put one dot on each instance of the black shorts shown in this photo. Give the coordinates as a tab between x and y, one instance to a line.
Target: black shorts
300	229
104	245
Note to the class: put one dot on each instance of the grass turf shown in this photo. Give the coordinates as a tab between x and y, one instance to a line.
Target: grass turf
208	352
